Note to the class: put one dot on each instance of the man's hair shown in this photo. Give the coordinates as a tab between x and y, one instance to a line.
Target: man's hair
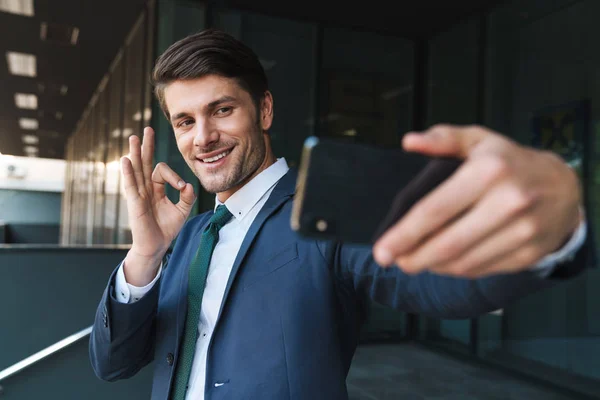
210	52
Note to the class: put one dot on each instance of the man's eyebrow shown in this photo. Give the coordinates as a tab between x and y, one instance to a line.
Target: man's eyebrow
209	106
179	115
224	99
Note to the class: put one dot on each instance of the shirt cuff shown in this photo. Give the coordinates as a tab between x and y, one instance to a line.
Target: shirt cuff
126	293
546	265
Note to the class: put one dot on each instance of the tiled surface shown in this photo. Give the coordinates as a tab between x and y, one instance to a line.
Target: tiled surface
409	372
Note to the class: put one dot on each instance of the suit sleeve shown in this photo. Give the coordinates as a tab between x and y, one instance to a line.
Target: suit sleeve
443	296
122	339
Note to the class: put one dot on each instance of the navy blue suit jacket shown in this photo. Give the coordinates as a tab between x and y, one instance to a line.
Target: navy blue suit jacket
290	319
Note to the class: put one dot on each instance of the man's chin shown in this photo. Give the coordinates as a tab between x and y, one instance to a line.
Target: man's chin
213	188
215	183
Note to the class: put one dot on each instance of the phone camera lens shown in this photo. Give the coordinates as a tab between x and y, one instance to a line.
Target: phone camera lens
321	225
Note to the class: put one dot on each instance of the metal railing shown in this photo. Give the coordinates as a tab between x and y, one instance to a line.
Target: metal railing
40	355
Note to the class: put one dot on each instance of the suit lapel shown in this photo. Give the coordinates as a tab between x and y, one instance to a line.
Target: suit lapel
283	191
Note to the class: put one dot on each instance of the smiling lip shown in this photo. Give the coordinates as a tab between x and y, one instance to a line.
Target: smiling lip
213	154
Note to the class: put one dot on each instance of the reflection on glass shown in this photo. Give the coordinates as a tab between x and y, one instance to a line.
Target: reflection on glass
367	90
133	96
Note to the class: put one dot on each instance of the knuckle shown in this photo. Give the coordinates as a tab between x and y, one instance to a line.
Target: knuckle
156	174
528	230
552	157
440	127
496	167
442	131
478	129
517	200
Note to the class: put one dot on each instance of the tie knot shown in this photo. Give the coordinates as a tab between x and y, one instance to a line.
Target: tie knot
221	216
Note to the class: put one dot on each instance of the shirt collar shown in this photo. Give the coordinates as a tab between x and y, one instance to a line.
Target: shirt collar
243	201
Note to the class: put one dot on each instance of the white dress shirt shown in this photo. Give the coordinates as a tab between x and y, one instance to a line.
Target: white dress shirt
245	205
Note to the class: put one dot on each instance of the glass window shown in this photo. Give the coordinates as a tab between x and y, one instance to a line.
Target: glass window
149	64
67	198
81	185
542	90
114	151
98	150
88	177
74	216
366	86
453	75
133	111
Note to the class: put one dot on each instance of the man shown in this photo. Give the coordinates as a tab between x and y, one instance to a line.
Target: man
244	308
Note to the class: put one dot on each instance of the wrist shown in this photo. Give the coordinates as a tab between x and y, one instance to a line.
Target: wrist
574	227
140	270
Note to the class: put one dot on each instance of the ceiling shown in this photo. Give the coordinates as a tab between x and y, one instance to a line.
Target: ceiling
103	25
407	18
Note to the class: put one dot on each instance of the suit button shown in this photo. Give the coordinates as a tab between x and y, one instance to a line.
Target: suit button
170	358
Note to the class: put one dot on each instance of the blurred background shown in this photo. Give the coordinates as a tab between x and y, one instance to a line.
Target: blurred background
75	84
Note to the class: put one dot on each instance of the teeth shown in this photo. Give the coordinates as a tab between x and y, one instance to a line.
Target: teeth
217	157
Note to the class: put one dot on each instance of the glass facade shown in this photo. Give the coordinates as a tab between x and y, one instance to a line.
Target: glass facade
366	86
94	208
528	69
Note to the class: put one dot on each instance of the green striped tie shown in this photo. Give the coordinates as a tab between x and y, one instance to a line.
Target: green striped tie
197	282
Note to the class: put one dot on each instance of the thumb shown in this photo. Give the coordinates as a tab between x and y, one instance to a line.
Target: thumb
445	140
186	198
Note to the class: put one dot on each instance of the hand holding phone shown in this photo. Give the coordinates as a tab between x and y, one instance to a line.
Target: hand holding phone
354	193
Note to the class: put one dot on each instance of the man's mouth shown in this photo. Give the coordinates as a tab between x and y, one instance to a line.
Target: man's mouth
216	157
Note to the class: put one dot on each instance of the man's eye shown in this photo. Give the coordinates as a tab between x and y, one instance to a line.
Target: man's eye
185	122
223	110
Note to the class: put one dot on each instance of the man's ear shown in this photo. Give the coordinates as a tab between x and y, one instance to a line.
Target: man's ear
266	111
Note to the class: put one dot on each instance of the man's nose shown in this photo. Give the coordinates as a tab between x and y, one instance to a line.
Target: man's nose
205	134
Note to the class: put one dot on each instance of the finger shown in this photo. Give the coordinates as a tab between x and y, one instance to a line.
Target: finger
509	250
164	174
186	199
148	154
129	183
446	140
438	208
495	211
135	153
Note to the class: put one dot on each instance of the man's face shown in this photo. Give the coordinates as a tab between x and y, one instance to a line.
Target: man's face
218	130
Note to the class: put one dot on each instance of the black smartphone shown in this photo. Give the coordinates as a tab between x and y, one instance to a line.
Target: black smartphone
353	192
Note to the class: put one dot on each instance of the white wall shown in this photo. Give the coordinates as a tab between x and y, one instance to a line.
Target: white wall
32	174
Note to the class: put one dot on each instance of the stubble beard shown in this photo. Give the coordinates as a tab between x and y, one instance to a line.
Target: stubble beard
238	169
